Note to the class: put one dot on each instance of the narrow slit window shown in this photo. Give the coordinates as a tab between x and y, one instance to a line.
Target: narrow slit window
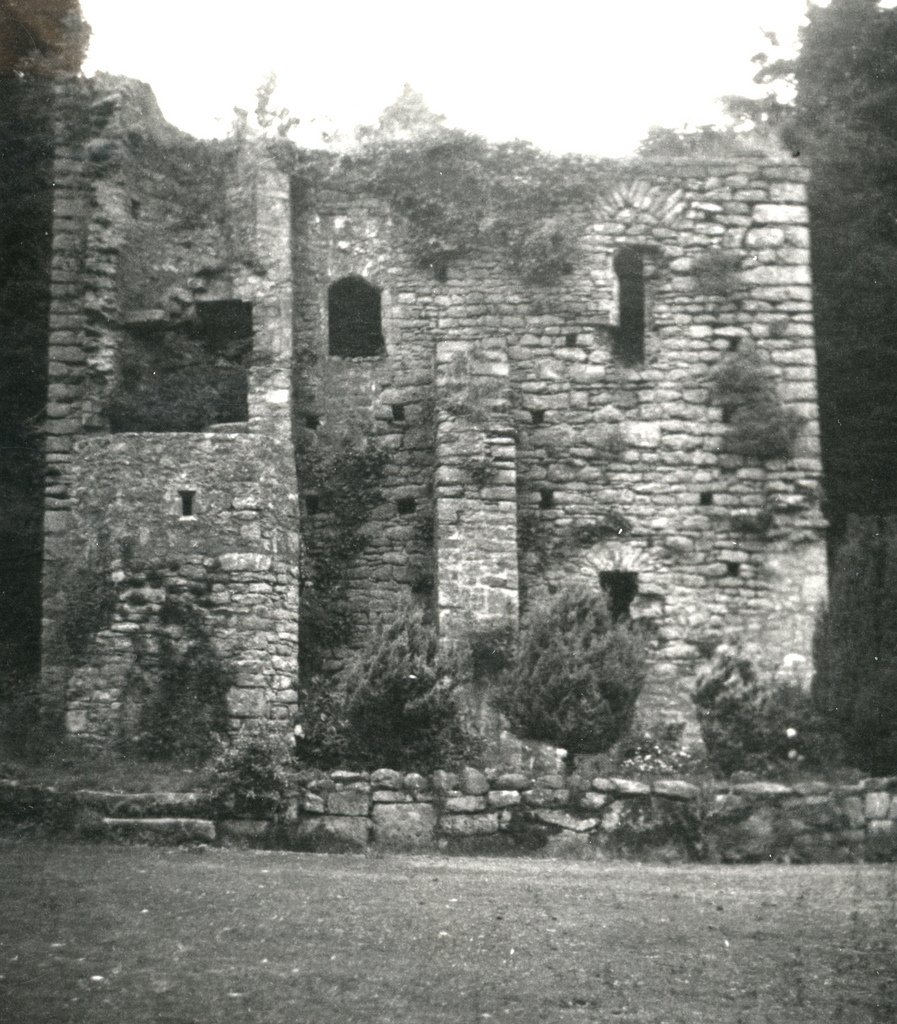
733	569
571	339
188	503
406	506
312	421
354	318
621	588
629	267
312	504
398	413
537	416
546	498
706	498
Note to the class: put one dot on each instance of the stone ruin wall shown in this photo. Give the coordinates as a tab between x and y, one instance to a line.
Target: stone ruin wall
147	223
531	454
632	458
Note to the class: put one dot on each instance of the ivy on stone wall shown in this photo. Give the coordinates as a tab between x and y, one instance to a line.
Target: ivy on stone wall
760	426
345	480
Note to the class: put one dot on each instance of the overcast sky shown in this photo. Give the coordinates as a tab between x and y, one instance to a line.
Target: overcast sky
570	75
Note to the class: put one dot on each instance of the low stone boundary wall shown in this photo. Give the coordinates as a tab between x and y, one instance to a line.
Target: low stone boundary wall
505	813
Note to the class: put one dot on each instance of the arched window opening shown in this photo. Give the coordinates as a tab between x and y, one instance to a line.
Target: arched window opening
354	318
621	589
629	267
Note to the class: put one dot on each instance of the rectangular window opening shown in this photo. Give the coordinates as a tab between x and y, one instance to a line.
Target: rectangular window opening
733	344
188	505
546	498
571	339
537	416
706	498
406	506
733	569
398	413
312	421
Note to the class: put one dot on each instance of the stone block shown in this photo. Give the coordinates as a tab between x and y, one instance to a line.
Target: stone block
780	213
546	797
387	778
552	781
675	789
603	785
391	796
469	824
159	831
403	826
503	798
877	805
444	782
464	804
245	561
762	789
328	834
629	787
472	782
145	805
247	832
881	840
348	803
512	780
593	801
565	820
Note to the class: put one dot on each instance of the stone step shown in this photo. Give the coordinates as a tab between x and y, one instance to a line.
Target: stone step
159	831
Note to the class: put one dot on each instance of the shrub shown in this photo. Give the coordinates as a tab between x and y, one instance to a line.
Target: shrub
760	426
403	704
751	725
325	740
547	252
855	646
252	776
576	675
658	750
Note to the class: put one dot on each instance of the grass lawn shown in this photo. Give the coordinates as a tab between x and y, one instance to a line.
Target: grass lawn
127	935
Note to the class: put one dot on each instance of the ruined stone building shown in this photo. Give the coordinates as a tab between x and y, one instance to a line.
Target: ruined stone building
525	434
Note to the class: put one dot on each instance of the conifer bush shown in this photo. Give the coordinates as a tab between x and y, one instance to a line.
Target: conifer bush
855	646
403	705
576	674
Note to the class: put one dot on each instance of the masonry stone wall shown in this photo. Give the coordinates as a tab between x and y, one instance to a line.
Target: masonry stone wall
521	447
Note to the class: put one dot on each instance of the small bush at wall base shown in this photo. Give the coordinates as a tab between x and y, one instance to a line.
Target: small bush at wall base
403	706
749	724
576	675
251	777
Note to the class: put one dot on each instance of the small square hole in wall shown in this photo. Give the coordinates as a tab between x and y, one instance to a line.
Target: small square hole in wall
188	503
727	413
398	413
440	271
733	344
706	498
571	339
312	421
405	506
537	416
546	498
312	504
733	568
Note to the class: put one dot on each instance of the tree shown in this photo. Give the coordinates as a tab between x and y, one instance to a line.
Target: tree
855	686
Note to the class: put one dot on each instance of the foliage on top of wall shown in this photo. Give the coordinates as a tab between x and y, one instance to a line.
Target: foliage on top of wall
759	424
457	191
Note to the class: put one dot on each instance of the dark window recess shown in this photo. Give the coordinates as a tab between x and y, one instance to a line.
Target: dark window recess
621	588
733	568
706	498
398	414
571	339
440	271
188	506
406	506
354	318
546	498
135	209
727	413
312	421
225	325
733	344
312	504
629	344
537	416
